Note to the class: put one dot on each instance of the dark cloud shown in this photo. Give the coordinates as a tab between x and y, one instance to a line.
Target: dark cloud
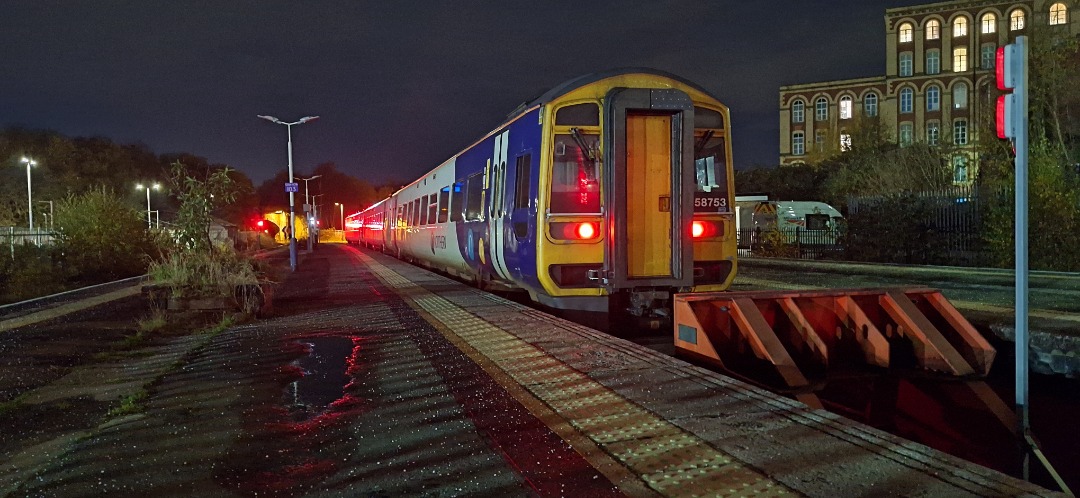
400	86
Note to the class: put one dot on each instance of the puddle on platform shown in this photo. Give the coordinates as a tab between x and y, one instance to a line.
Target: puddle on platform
324	377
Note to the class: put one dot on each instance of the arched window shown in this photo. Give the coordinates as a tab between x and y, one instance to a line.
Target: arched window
906	134
906	32
960	95
933	98
933	29
1016	20
797	111
845	141
960	26
933	61
960	168
1058	14
845	107
988	23
933	133
906	98
821	109
960	132
798	143
870	104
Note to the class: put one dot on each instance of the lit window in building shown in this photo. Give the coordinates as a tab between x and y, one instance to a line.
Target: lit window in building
959	59
797	111
905	100
870	104
960	95
933	61
845	107
798	143
959	27
960	169
933	29
905	33
821	109
845	141
819	140
905	134
989	23
1058	14
1016	20
933	133
933	98
960	132
987	56
905	64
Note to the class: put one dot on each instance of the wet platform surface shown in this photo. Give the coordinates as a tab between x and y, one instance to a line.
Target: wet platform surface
378	378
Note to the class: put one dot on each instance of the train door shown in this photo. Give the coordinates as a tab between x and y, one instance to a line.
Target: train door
498	214
651	135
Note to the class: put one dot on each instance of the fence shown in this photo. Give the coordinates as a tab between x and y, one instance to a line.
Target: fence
790	243
15	236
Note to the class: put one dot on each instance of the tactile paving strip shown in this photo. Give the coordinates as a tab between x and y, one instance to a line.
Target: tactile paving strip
668	459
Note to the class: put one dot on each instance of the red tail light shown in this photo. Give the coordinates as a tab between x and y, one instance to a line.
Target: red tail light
585	231
697	229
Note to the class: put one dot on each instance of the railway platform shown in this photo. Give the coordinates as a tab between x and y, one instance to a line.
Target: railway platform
373	377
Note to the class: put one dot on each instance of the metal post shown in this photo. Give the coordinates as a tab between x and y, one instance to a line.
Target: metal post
149	224
1021	236
292	209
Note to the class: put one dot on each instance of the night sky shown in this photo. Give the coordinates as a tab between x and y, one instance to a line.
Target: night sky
399	86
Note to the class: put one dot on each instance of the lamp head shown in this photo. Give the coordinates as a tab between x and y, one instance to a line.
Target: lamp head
28	161
271	119
307	118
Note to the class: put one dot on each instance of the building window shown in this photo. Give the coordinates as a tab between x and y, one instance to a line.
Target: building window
905	64
960	132
905	100
987	56
959	59
845	107
960	95
933	98
988	24
819	140
933	29
797	111
959	27
1016	20
798	143
821	109
1058	14
870	104
905	33
845	141
960	169
933	133
933	61
905	134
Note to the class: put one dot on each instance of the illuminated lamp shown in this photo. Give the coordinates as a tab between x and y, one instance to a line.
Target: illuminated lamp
697	229
586	231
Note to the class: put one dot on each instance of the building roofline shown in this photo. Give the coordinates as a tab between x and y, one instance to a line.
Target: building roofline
823	84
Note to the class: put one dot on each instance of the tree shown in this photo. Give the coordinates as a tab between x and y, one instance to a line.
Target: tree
101	238
198	198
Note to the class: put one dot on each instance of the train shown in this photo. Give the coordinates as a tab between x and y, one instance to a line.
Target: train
608	193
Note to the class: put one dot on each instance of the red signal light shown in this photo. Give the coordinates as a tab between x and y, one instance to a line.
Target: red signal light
697	229
260	224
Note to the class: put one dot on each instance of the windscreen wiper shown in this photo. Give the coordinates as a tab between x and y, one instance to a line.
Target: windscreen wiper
580	140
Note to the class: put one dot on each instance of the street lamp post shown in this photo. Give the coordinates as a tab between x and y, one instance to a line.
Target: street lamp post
149	222
29	192
292	199
341	210
310	209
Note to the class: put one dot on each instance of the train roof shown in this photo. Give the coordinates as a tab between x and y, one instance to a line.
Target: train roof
577	82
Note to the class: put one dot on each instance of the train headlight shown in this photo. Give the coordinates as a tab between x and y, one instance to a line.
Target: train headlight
586	231
697	229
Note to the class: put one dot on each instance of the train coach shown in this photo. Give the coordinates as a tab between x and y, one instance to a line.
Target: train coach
608	193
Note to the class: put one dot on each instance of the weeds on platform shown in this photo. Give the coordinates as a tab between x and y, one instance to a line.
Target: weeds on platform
129	404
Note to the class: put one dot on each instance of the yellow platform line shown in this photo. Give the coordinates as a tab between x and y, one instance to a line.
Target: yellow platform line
63	309
638	451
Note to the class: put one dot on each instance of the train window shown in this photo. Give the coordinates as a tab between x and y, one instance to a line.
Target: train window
444	204
400	221
710	163
432	208
457	201
474	198
578	115
425	210
414	213
521	190
708	118
575	179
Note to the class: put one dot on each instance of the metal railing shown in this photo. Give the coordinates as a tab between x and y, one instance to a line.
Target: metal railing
10	237
790	243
